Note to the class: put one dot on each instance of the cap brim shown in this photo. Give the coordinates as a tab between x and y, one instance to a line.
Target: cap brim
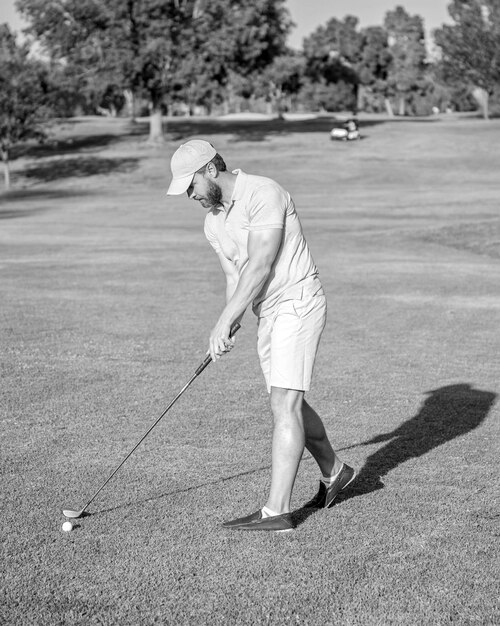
179	185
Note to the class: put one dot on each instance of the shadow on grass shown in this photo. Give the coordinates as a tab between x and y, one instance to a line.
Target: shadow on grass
93	139
79	167
94	136
68	145
447	413
253	130
10	214
209	483
299	515
19	197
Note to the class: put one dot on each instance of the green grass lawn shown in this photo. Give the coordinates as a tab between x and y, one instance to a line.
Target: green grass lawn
108	293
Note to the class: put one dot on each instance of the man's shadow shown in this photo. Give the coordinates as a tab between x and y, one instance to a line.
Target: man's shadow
447	413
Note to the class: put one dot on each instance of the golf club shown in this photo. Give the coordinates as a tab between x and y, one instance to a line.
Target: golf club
76	514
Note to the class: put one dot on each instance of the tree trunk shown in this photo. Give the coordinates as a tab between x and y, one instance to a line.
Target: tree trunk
482	98
360	97
129	102
6	170
486	109
280	109
155	126
388	107
402	108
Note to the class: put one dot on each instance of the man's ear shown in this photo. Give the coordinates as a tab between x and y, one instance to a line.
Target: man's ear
212	170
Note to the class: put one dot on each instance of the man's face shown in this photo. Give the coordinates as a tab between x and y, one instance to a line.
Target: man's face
205	190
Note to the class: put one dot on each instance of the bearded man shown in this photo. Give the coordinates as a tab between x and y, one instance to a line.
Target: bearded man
253	226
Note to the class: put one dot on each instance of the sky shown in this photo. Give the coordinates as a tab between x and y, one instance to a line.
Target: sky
309	14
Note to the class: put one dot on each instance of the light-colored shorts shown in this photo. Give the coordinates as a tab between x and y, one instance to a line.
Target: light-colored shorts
288	340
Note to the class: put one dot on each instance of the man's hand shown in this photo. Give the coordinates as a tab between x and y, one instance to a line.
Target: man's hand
220	343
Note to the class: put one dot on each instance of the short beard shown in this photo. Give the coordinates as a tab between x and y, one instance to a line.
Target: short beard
213	198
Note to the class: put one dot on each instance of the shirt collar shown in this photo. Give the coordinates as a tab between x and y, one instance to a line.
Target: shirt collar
238	190
239	185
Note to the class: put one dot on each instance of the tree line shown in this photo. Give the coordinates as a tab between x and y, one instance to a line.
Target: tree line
160	57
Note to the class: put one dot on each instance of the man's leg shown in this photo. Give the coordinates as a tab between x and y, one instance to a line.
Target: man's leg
296	424
317	442
287	450
336	475
287	446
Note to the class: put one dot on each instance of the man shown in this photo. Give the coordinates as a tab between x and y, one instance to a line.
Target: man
253	227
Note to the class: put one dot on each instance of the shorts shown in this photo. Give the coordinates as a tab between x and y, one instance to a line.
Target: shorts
288	340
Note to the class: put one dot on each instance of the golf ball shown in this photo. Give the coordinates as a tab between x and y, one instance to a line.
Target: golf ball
67	526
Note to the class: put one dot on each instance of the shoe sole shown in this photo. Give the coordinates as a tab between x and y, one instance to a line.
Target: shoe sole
257	526
341	490
266	530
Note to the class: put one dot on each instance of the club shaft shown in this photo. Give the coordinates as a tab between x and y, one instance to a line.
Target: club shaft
140	441
198	371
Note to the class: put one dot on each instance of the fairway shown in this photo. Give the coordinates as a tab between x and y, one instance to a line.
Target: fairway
109	291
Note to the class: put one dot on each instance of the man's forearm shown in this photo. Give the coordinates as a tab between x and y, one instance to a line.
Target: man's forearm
231	285
263	247
250	282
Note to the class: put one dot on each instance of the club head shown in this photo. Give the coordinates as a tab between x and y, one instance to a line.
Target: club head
73	514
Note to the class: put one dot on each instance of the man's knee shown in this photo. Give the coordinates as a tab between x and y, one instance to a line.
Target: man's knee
286	403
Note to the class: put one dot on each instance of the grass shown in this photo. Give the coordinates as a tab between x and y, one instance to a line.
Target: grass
108	294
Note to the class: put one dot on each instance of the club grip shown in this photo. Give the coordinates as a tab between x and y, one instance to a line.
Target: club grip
208	359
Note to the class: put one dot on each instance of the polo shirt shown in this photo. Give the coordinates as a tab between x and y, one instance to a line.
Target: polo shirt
258	203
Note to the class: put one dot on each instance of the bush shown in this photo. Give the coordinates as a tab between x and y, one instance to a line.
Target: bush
331	97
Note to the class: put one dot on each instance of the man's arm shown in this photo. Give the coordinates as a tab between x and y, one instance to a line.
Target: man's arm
263	247
230	272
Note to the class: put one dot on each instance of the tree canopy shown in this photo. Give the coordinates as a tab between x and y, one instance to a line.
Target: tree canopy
158	48
406	36
471	46
23	95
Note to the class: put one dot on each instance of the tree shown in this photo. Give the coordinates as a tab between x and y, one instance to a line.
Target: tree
132	43
373	69
160	49
281	78
322	96
407	45
23	96
470	48
338	37
332	53
234	41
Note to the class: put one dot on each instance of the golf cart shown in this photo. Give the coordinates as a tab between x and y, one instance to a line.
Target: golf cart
349	131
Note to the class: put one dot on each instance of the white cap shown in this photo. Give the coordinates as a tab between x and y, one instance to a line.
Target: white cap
186	161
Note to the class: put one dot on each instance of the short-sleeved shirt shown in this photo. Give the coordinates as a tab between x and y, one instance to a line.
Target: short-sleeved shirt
259	203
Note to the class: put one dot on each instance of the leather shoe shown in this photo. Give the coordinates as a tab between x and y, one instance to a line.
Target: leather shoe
255	521
325	497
